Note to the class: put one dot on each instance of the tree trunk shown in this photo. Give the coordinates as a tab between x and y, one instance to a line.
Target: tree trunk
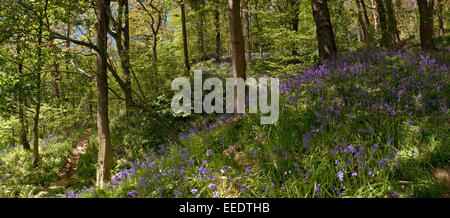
154	47
55	82
21	112
294	13
426	24
23	129
218	40
185	43
237	45
127	65
55	75
392	22
13	141
366	17
201	34
370	28
386	40
324	30
363	25
374	15
440	18
38	97
104	137
248	44
122	40
258	30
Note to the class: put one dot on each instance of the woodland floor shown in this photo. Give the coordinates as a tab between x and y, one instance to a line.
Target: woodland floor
67	173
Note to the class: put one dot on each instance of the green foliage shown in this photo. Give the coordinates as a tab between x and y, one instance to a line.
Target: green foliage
19	178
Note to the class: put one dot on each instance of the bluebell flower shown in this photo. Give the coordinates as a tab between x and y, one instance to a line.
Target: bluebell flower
340	175
318	189
212	186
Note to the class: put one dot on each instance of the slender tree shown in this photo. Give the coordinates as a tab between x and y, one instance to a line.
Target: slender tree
294	11
374	15
363	24
121	35
56	77
187	66
324	30
155	23
104	136
38	88
21	103
217	30
248	42
440	17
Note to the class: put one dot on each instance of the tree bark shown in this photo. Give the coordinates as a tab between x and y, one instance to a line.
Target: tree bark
13	140
426	24
237	45
218	40
324	30
440	18
185	43
392	22
386	40
366	17
122	39
248	42
127	65
38	97
104	137
21	112
55	76
294	13
201	33
374	15
363	25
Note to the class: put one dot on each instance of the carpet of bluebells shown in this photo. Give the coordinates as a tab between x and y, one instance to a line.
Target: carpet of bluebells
367	124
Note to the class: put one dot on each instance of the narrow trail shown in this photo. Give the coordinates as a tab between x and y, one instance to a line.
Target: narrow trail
67	173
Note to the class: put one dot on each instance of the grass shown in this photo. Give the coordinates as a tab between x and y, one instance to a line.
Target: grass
19	178
371	124
328	142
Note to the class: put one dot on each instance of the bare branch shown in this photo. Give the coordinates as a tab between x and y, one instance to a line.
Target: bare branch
81	70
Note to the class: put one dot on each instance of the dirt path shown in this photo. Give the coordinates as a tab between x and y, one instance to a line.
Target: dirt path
67	173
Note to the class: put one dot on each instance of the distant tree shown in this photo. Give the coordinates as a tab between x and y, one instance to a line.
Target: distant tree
21	102
426	24
294	11
217	29
200	14
324	30
187	66
121	34
38	88
156	13
363	24
440	17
